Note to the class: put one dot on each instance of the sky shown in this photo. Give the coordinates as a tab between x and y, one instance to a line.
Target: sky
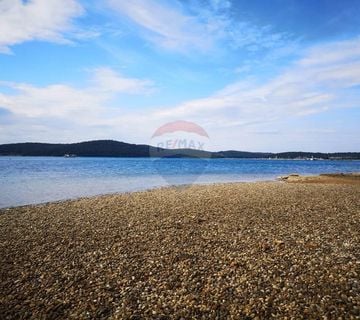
277	75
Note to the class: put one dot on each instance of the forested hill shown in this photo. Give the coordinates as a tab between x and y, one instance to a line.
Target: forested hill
111	148
99	148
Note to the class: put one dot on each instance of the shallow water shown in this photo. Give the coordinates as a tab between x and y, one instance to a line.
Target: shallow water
29	180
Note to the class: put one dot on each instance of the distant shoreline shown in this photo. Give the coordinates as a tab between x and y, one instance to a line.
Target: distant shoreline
215	158
112	148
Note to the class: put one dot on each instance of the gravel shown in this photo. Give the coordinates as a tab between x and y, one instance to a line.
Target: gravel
226	251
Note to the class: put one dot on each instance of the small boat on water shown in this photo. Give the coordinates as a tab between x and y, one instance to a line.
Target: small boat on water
69	155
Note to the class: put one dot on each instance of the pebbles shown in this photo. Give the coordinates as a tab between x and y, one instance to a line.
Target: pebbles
237	251
348	178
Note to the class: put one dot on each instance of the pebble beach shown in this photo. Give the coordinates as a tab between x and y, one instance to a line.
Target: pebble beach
264	250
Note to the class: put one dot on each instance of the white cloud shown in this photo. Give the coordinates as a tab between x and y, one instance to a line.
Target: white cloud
302	89
326	54
173	27
53	100
220	4
165	25
106	79
59	100
229	115
47	20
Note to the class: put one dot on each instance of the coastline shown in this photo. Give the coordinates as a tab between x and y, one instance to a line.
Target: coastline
40	180
341	178
259	249
129	193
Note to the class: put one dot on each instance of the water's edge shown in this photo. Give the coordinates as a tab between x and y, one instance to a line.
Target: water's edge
35	180
4	209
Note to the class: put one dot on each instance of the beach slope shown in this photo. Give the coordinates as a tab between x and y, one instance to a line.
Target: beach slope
240	251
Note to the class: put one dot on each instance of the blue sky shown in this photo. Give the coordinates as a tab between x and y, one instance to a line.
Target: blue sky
280	75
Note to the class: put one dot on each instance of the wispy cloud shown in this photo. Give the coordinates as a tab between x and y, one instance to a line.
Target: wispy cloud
325	54
107	80
323	79
46	20
54	100
163	24
318	81
60	100
220	4
202	28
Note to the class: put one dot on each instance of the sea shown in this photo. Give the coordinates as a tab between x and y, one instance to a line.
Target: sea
33	180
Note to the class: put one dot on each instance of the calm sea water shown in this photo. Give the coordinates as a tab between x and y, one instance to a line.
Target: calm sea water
28	180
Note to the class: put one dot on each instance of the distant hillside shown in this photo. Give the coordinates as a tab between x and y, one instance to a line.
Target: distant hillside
243	154
291	155
335	155
99	148
111	148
